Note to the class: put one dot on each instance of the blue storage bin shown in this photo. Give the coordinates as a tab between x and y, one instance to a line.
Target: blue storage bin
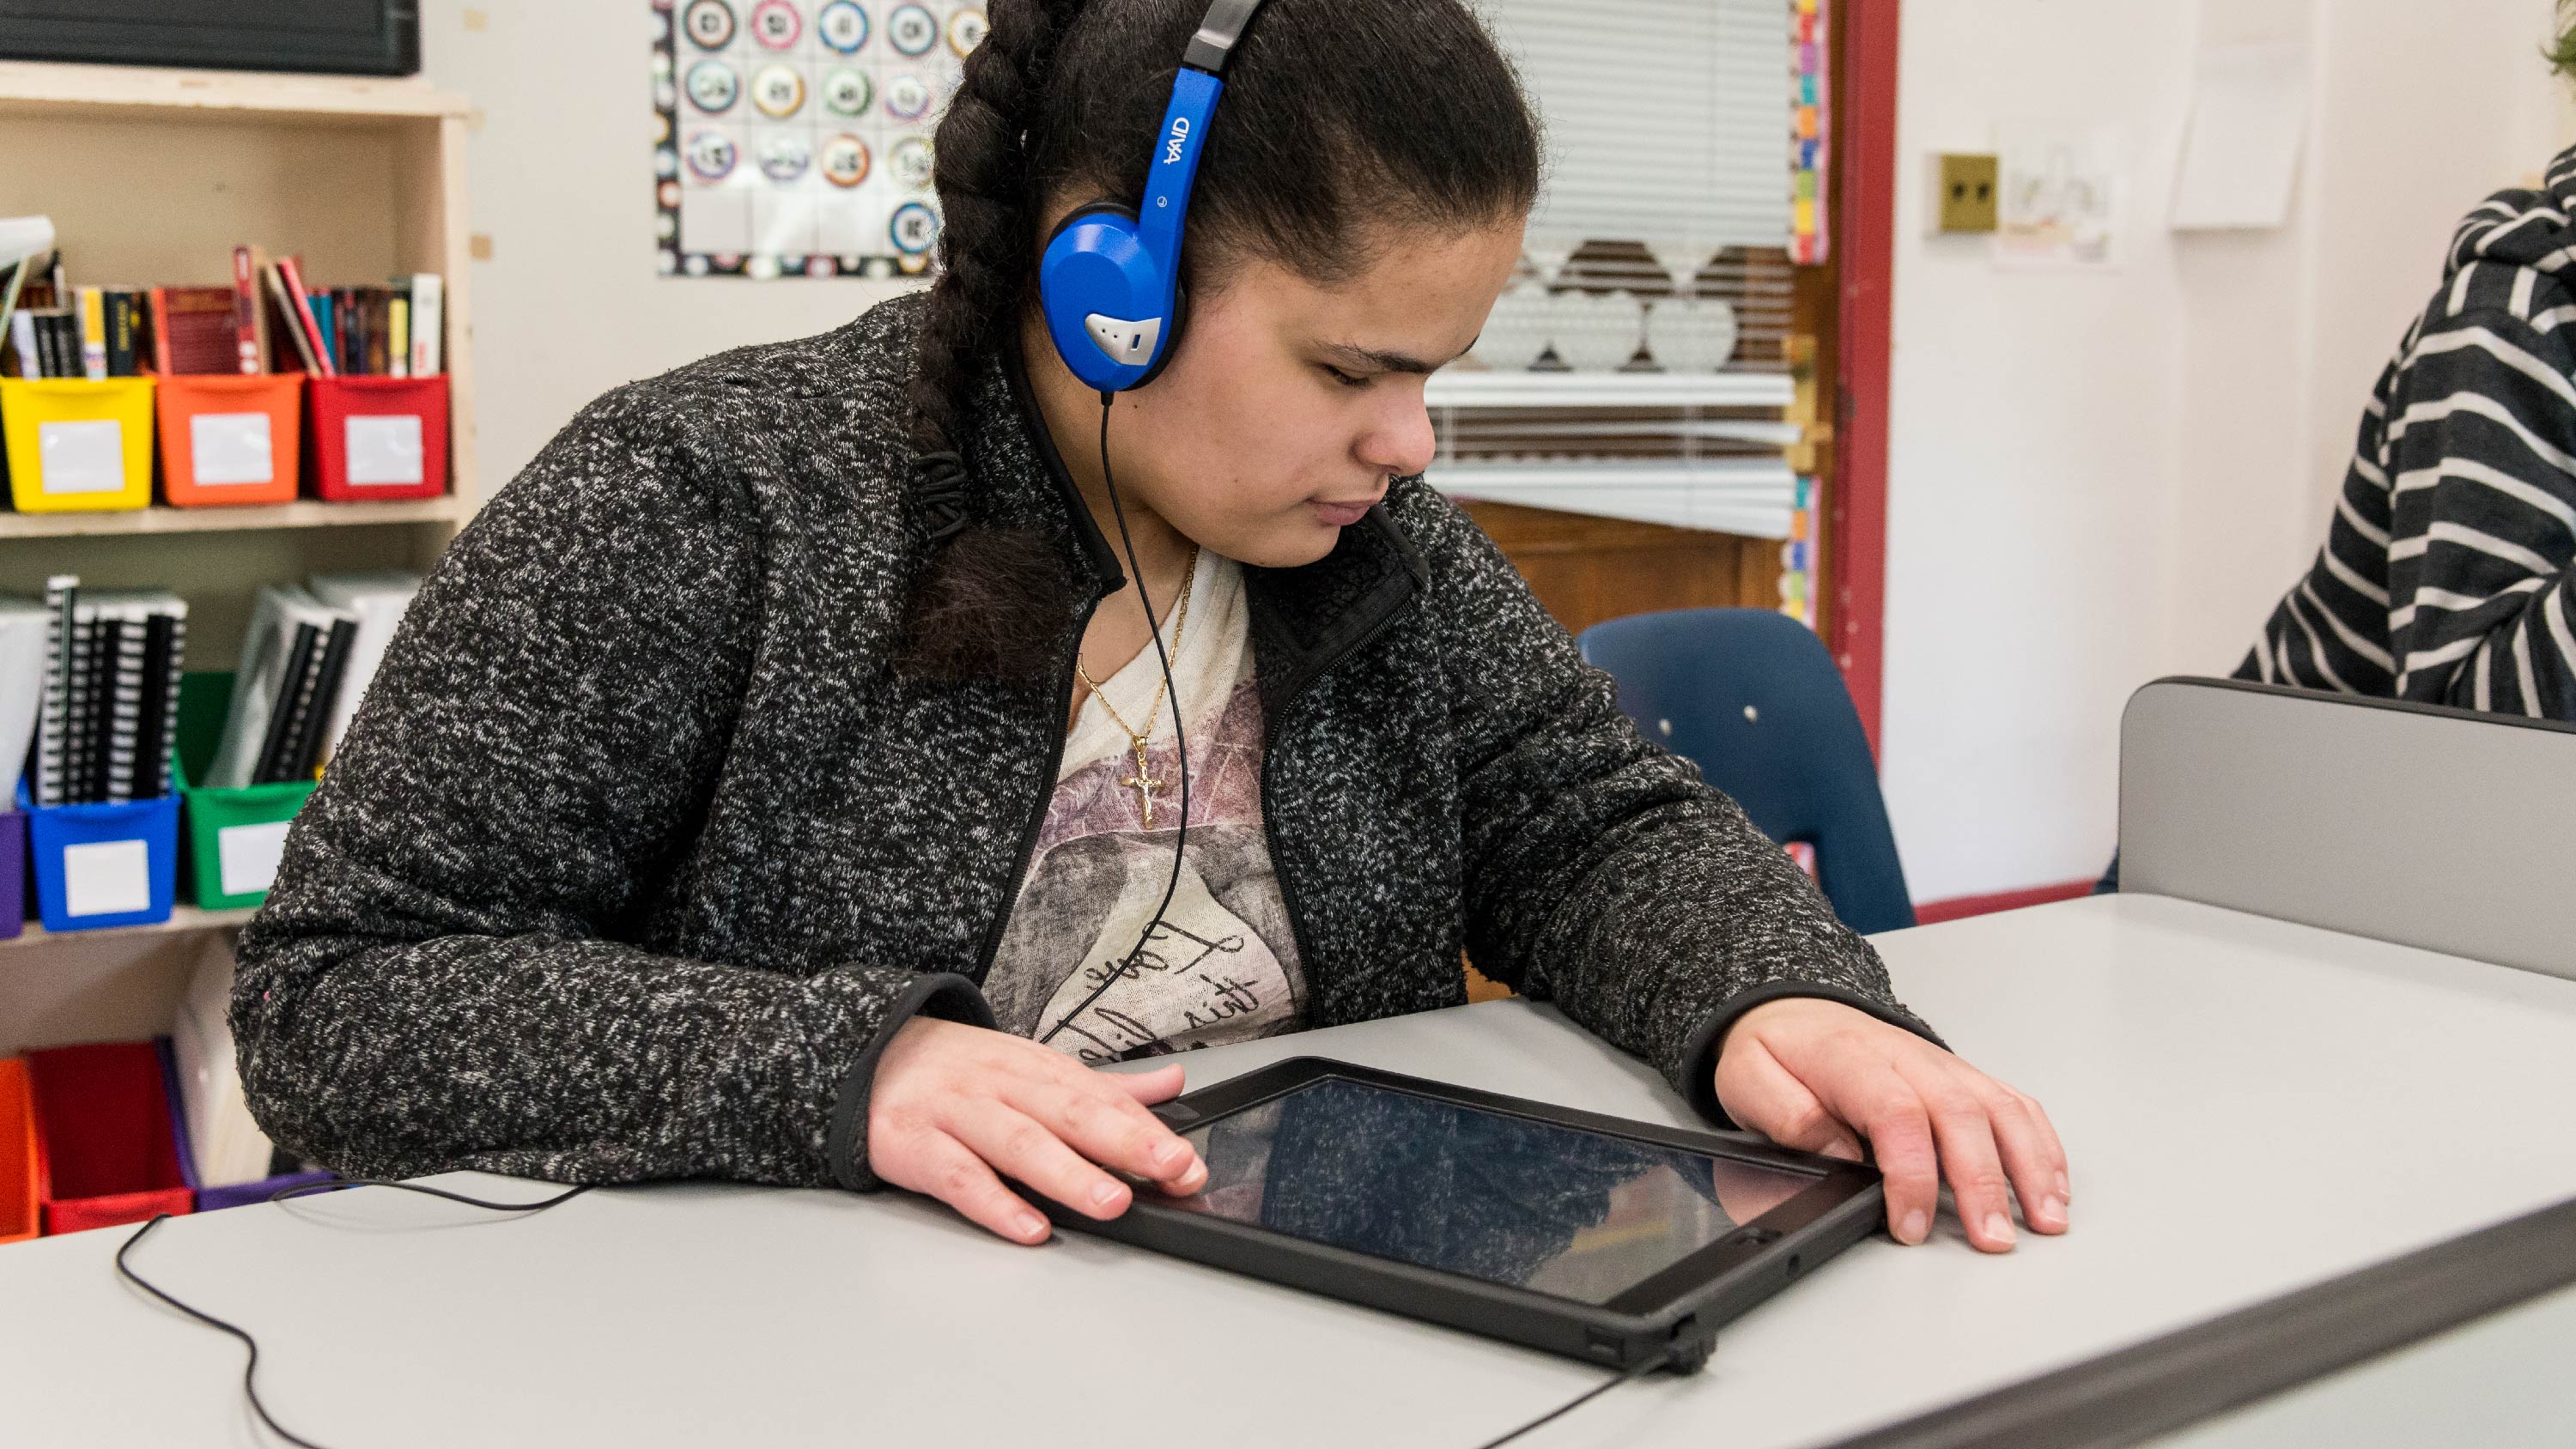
98	866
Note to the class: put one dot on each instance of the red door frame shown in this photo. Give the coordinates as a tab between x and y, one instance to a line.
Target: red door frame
1858	562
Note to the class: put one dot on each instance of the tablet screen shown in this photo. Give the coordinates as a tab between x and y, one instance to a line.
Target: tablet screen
1538	1205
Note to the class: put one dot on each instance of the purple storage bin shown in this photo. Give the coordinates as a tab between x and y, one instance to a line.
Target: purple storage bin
239	1194
246	1192
243	1194
13	874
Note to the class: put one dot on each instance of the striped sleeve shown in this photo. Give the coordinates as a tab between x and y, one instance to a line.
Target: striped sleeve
2443	577
2481	447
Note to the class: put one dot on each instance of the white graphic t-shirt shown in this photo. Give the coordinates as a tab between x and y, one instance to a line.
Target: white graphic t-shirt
1222	966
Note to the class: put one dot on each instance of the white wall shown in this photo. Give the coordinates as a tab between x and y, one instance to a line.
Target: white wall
2096	479
2032	453
561	179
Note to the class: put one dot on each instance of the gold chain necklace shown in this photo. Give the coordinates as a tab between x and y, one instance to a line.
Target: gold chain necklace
1143	781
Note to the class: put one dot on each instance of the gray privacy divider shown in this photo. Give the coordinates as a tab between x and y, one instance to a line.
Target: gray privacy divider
2439	828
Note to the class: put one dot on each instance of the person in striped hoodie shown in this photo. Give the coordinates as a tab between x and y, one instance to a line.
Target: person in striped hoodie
2444	578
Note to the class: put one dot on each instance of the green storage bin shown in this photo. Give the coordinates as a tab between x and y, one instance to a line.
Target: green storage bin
231	837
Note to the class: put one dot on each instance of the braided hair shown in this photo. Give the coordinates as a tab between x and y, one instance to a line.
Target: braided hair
982	608
1342	118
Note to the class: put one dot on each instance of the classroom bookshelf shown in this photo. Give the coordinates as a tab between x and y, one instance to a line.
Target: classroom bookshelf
152	176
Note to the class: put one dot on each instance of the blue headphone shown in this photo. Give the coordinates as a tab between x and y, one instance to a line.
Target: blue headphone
1110	281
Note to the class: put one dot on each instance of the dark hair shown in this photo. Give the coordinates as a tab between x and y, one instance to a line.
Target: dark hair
1339	116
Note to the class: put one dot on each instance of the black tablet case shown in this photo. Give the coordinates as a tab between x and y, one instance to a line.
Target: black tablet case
1673	1315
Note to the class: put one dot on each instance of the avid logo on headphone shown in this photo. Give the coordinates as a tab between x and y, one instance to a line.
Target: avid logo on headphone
1172	144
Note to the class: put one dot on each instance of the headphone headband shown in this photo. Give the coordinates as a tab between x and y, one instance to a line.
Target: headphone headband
1212	49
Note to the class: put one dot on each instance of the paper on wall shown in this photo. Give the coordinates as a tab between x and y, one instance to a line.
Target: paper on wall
2249	119
2064	195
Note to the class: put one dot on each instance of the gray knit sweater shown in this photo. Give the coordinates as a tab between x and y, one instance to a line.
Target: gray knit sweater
641	847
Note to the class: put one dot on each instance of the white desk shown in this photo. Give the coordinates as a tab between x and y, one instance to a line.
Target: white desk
2251	1107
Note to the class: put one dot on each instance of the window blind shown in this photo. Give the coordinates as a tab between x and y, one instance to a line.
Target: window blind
1668	120
1669	130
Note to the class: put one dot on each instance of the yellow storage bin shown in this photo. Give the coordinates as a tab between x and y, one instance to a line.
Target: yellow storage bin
78	445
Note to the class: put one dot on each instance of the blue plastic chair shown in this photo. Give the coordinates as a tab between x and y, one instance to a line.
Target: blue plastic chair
1753	699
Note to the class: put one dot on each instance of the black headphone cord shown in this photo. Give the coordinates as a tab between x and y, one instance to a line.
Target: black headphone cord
1180	739
250	1371
1633	1372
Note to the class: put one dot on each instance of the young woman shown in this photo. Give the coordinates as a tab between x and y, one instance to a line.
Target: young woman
775	780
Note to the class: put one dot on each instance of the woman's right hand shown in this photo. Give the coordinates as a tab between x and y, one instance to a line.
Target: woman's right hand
952	1107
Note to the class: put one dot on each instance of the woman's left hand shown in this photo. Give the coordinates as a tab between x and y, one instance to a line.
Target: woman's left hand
1820	1076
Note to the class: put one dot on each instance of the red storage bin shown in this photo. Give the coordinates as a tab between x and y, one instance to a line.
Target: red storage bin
228	438
104	1152
18	1216
379	438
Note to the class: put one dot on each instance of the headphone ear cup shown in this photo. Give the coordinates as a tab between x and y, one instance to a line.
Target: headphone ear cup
1093	263
1085	213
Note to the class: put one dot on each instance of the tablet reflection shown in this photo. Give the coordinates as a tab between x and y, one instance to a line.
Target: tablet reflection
1534	1204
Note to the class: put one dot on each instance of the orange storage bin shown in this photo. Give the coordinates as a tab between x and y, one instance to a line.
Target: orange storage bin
230	438
17	1153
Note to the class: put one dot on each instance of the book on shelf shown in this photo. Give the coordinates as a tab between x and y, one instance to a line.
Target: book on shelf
305	665
23	625
106	691
93	333
25	243
377	601
250	320
271	319
299	307
193	330
273	280
428	319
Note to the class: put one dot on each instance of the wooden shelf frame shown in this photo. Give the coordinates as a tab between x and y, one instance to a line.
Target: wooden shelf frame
152	176
89	135
183	920
306	513
37	87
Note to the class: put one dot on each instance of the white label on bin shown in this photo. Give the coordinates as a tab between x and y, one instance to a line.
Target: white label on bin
81	457
231	448
248	854
111	878
384	449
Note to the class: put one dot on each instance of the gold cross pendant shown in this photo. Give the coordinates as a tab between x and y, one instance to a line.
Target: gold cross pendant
1144	784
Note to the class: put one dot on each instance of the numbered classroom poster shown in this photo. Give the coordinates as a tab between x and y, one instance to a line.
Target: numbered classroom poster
792	137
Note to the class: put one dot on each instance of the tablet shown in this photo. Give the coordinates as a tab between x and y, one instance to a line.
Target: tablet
1612	1241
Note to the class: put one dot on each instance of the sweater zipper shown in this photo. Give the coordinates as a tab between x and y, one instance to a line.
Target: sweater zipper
1269	825
1037	816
